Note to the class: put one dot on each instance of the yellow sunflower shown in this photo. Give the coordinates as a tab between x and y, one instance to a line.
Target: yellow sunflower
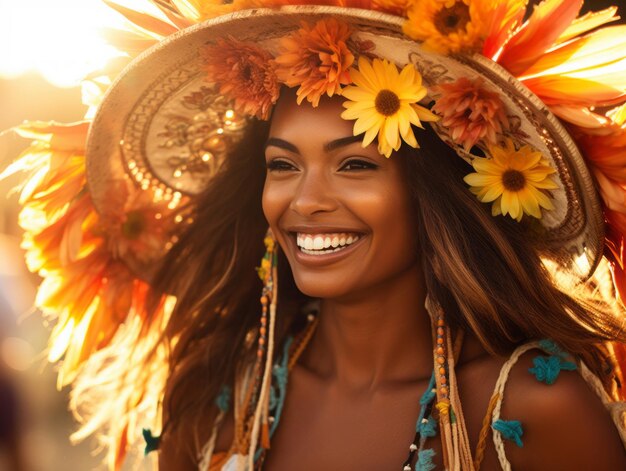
514	179
383	102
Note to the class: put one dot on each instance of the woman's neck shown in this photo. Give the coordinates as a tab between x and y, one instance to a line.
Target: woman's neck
374	339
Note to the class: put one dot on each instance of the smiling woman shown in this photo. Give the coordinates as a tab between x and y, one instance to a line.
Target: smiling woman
367	237
323	185
336	161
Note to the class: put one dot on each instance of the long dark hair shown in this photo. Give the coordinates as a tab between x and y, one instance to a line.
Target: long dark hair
485	272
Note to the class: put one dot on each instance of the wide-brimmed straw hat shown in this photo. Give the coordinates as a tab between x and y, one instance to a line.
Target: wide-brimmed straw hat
165	126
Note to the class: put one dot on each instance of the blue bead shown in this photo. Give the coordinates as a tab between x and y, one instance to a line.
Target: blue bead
547	369
550	346
222	401
425	460
273	399
510	429
152	442
427	429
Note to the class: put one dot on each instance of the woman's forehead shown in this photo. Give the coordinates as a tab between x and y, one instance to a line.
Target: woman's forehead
291	121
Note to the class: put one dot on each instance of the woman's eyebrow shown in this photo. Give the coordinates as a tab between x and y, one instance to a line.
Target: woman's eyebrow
328	147
344	141
274	141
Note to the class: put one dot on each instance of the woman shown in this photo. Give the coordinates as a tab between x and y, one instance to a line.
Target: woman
351	400
385	278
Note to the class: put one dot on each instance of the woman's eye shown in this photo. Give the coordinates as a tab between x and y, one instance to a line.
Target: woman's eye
356	164
278	166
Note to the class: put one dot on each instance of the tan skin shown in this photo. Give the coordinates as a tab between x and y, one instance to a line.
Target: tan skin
353	397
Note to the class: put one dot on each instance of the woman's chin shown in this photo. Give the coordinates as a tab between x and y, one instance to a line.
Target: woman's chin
323	287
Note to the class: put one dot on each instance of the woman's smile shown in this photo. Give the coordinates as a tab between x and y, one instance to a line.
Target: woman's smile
326	247
323	243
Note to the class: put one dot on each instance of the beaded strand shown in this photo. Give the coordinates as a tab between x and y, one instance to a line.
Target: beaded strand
454	439
269	275
291	352
440	359
446	415
426	408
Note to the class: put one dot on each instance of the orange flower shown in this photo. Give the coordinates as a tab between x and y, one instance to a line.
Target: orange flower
446	26
603	144
52	244
56	164
470	112
612	191
568	71
501	17
135	227
548	21
84	289
584	72
244	74
605	151
316	59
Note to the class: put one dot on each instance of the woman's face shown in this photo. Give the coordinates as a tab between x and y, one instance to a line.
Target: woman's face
340	212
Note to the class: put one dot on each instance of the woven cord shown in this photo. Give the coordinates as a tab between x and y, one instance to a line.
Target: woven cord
456	450
498	394
302	344
484	432
456	445
263	400
463	452
617	409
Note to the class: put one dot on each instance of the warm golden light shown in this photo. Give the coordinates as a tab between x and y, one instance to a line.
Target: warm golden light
17	353
59	39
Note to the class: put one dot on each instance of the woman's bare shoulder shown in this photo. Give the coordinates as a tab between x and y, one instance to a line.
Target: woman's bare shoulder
564	424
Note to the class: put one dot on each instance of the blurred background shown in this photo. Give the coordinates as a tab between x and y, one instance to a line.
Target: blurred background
45	48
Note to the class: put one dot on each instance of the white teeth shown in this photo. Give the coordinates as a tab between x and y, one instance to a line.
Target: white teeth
308	243
324	243
318	243
321	252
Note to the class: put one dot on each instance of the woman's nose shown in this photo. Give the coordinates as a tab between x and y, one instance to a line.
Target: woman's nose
314	194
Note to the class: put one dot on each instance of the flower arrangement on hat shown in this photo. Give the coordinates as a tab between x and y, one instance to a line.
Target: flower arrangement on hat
574	64
384	103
